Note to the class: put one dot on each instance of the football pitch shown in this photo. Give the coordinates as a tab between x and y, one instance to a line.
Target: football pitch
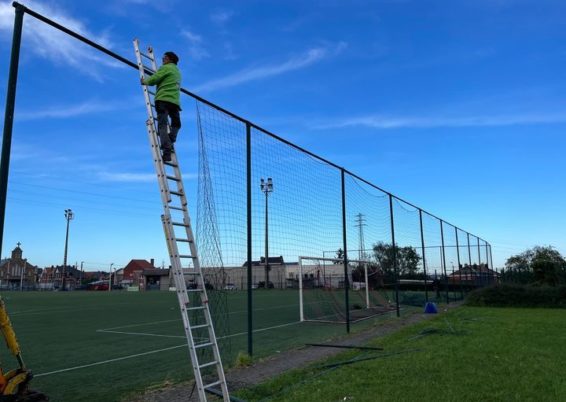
104	346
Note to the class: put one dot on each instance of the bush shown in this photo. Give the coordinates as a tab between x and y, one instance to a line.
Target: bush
518	296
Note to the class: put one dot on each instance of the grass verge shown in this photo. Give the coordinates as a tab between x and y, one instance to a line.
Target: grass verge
469	354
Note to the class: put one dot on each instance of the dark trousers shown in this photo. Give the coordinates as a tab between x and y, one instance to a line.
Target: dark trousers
166	110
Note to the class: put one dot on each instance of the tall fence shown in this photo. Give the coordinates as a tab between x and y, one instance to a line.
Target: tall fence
275	202
254	232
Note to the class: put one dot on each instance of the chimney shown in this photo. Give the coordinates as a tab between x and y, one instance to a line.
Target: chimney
152	262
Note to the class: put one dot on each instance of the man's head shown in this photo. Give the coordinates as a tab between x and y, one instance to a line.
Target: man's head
170	57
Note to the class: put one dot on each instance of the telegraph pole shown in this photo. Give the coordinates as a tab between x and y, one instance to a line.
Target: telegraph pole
360	223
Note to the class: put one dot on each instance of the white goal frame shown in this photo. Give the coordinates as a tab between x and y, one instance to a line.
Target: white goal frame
334	261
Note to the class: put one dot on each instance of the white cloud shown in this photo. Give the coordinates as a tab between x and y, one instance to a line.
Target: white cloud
221	17
125	177
56	46
67	111
388	122
307	59
196	48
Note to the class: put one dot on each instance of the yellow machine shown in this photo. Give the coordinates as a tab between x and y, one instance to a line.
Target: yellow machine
14	384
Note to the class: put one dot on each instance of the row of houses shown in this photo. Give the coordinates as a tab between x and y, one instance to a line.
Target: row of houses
17	273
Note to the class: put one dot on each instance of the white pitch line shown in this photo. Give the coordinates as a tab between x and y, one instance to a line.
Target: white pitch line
138	325
260	330
110	361
180	319
138	333
152	351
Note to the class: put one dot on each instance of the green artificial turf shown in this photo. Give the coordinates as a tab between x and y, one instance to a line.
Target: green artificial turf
104	346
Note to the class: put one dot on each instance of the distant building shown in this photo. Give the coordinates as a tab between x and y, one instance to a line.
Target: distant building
156	279
132	275
474	275
16	272
51	277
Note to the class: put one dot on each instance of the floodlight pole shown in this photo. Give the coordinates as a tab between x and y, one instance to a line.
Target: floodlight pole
266	187
9	116
69	215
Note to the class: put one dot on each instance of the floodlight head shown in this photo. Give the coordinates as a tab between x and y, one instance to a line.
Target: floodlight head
69	214
270	184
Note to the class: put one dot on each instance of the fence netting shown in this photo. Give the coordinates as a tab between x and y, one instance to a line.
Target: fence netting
307	217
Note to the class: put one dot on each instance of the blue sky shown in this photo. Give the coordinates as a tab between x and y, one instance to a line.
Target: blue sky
455	106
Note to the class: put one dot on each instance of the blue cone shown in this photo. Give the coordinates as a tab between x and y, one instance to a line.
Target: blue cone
430	308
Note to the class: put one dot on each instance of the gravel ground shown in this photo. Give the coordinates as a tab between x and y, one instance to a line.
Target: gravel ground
274	365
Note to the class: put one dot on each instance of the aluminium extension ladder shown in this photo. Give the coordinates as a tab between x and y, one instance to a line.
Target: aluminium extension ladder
175	207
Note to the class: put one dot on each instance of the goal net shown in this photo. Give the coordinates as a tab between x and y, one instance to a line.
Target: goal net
322	291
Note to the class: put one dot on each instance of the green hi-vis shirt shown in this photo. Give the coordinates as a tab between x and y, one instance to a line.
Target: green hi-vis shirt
168	81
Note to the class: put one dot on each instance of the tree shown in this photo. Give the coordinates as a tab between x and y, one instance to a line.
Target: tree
339	256
407	258
542	265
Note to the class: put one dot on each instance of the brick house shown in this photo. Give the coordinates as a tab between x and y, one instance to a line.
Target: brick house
132	275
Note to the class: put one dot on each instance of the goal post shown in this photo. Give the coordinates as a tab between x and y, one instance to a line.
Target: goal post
322	290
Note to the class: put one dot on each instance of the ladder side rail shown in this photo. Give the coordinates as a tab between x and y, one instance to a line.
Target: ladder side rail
153	138
183	298
172	242
200	278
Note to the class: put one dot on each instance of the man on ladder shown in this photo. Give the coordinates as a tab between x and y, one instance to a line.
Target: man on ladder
197	318
167	101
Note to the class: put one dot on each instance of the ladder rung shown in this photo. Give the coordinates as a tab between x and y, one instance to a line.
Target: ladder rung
195	308
186	256
203	345
183	240
151	92
174	178
208	364
200	326
170	164
179	224
177	193
146	56
194	290
212	384
176	208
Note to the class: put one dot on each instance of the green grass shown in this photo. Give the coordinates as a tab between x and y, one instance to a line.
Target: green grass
72	359
469	354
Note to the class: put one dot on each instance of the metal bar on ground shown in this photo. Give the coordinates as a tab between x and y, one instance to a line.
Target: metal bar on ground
325	345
